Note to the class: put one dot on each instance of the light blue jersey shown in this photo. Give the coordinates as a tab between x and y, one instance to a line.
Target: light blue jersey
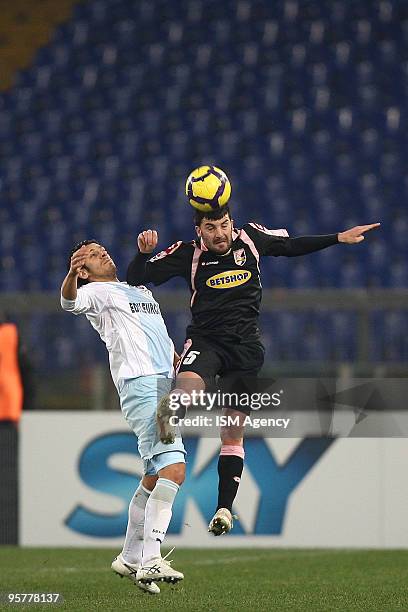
129	321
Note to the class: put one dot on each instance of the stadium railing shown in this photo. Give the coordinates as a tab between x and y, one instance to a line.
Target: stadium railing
84	382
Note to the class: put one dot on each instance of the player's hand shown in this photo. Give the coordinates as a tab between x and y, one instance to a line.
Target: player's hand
356	234
147	241
77	261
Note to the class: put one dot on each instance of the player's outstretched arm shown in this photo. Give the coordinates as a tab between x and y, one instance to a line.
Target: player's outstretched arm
309	244
69	284
277	242
356	234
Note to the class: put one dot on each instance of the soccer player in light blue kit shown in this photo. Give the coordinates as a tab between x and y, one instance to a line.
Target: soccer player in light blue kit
141	358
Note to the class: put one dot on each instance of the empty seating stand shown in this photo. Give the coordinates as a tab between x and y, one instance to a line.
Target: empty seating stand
303	104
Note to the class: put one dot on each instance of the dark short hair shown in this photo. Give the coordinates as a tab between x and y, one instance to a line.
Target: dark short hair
211	215
80	281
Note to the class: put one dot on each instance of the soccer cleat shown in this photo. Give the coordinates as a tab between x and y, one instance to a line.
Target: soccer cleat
222	522
158	569
167	431
129	570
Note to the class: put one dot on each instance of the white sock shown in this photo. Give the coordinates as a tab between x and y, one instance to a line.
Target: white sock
157	517
133	546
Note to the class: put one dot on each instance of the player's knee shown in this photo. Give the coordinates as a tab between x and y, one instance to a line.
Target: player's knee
231	437
175	472
232	433
149	482
187	382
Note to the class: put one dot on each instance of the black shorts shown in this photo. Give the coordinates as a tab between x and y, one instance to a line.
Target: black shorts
231	367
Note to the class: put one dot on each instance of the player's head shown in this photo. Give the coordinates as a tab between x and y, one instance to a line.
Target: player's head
98	264
215	229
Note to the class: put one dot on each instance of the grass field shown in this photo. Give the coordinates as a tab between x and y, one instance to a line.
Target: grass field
216	581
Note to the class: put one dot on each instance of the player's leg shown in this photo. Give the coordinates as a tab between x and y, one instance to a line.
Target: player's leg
133	545
139	399
198	365
230	467
129	559
158	510
176	403
170	467
246	359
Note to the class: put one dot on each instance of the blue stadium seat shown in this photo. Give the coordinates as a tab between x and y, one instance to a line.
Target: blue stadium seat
302	103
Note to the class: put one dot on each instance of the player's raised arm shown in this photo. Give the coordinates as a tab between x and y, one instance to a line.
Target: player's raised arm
69	284
137	269
89	262
173	261
147	241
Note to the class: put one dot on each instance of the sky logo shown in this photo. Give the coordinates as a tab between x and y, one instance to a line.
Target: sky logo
276	482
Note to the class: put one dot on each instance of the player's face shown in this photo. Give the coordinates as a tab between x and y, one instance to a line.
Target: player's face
98	263
216	235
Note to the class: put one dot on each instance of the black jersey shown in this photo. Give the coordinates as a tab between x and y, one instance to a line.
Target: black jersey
226	289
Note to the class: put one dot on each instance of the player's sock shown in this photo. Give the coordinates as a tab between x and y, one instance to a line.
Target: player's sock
157	517
133	546
230	466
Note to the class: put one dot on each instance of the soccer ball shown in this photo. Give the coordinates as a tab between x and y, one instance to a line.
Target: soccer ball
208	188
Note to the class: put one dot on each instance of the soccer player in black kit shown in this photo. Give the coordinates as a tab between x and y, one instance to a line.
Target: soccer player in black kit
221	267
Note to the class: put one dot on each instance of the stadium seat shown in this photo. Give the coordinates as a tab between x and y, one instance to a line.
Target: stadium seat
303	104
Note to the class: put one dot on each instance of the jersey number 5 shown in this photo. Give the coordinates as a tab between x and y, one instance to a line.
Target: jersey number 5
192	356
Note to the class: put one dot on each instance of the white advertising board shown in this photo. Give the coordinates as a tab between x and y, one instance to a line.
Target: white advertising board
78	471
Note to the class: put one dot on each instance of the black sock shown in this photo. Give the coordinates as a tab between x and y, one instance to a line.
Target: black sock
229	474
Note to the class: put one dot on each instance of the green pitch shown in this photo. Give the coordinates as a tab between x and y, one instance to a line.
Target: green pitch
215	580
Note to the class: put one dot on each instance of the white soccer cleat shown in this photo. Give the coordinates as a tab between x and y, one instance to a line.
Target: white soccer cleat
158	569
222	522
129	570
167	432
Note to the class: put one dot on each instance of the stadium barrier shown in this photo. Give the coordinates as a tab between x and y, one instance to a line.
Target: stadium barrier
70	364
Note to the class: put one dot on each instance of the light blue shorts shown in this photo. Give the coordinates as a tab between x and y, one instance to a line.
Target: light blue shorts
138	399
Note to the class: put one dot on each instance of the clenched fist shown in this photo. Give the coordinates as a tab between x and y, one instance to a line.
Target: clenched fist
147	241
77	261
